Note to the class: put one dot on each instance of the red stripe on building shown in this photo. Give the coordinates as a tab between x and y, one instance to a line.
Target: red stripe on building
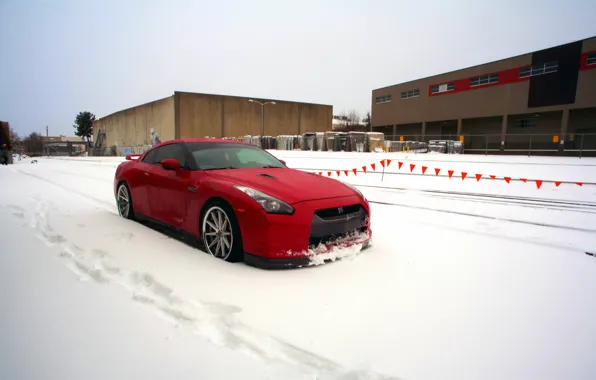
505	77
583	63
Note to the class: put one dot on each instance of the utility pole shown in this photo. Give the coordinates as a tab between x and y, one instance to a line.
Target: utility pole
47	133
262	114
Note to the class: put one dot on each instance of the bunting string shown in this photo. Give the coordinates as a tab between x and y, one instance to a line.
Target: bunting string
450	173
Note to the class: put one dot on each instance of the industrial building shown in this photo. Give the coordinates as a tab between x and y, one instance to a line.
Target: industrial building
544	101
186	115
63	145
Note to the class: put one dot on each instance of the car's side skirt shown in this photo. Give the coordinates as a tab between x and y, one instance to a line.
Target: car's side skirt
191	239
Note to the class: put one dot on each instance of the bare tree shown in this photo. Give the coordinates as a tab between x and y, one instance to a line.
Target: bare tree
353	119
33	144
14	137
367	121
340	121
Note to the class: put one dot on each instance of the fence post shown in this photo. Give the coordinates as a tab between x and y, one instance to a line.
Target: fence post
581	147
530	147
486	145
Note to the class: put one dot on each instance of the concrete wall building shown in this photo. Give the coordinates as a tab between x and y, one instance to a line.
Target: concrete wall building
546	98
185	115
63	145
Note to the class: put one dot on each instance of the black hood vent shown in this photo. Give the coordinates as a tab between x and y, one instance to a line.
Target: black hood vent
267	175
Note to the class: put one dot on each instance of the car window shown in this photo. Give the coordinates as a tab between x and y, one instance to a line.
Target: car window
150	157
213	158
171	151
208	155
253	156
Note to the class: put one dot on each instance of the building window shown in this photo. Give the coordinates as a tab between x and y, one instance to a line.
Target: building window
410	94
545	68
524	123
591	59
442	87
484	79
383	99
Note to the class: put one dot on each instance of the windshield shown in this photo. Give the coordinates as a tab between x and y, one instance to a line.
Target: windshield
216	155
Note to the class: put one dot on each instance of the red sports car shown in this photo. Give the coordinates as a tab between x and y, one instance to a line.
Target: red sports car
239	202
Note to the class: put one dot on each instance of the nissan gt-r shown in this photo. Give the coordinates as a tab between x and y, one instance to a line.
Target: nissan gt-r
241	203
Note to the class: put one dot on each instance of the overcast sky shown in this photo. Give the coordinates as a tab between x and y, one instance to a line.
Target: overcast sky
64	56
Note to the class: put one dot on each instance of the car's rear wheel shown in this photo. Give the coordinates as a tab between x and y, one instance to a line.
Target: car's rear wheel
124	202
221	233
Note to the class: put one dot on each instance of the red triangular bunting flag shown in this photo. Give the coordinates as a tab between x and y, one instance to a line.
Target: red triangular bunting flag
557	183
507	179
523	180
412	166
493	176
424	169
450	173
463	175
346	172
364	169
328	174
437	171
337	171
579	183
538	183
320	173
388	161
383	163
399	164
354	170
478	176
373	166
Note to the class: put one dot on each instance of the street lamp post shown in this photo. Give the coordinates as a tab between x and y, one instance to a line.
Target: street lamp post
262	114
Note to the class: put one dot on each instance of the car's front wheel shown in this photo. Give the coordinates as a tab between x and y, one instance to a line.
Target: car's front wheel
124	202
221	233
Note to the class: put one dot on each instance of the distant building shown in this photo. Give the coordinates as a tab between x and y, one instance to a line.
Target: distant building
549	94
185	115
48	139
63	145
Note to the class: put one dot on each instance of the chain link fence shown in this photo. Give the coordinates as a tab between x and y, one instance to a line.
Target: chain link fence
579	145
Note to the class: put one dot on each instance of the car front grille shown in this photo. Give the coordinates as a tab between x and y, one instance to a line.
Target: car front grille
337	223
334	212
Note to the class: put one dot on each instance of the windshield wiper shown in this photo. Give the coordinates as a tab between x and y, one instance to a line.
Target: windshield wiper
272	166
224	168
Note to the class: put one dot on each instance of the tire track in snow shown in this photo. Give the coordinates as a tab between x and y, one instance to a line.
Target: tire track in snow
107	205
539	203
588	230
219	323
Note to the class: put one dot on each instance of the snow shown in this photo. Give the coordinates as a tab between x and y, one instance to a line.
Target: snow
464	280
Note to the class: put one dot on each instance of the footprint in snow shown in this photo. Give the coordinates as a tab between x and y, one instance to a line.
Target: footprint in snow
86	273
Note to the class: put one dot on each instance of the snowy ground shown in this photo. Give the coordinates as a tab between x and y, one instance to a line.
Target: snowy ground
465	280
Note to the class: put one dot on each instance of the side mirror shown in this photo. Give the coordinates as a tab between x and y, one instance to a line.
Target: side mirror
170	164
283	162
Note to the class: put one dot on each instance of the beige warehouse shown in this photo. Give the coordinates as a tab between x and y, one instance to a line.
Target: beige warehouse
186	115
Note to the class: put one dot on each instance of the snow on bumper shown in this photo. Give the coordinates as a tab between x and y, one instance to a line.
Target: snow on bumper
346	246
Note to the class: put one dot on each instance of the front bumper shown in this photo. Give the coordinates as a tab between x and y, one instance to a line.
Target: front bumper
316	228
301	261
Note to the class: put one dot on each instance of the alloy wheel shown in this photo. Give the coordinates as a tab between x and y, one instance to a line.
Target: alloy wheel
217	233
123	201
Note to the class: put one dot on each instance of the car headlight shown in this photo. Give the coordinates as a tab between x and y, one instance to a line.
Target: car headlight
355	189
270	204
